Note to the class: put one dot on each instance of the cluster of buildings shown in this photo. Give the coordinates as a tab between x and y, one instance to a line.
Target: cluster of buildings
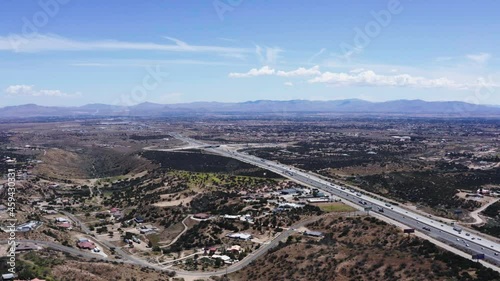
287	206
116	213
216	253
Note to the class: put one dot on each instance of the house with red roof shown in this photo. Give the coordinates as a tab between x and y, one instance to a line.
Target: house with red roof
86	245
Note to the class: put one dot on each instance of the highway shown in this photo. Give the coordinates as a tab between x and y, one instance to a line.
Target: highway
440	231
464	240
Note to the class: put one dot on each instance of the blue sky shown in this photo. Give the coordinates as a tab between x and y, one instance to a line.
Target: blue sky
75	52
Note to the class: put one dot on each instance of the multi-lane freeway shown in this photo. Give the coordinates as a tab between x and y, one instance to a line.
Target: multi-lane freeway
462	240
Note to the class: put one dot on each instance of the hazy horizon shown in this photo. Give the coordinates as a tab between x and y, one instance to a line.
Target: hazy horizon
238	102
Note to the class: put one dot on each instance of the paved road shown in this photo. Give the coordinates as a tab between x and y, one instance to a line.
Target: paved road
462	240
133	260
475	214
118	251
439	231
61	248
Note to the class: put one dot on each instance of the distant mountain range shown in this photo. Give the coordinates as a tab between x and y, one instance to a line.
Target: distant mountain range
353	106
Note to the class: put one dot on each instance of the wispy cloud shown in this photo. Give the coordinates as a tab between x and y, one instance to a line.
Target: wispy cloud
480	58
39	43
288	83
179	43
145	62
29	90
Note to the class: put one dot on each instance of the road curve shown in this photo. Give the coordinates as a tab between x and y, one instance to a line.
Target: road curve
133	260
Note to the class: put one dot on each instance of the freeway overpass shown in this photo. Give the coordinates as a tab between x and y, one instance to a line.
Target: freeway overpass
463	240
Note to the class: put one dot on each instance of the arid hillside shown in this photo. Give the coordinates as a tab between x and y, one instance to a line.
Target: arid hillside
92	162
357	249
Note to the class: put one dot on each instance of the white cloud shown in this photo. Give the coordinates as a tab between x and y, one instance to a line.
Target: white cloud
370	78
365	77
479	58
29	90
301	71
39	43
265	70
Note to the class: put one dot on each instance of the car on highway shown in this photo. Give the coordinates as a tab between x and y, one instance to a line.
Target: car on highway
358	194
426	228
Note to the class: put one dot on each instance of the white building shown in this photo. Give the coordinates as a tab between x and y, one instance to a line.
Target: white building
240	236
